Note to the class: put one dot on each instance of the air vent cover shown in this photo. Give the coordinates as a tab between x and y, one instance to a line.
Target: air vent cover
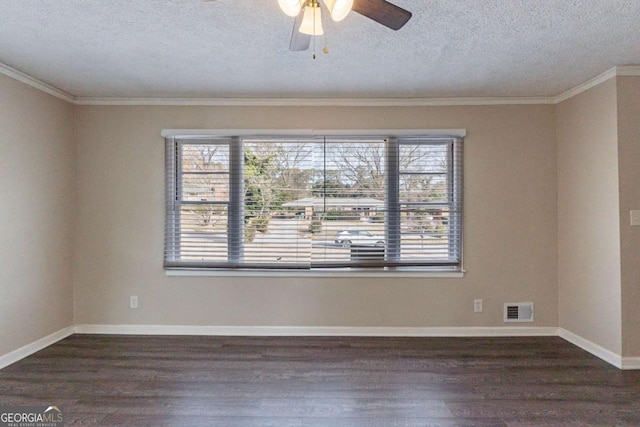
518	312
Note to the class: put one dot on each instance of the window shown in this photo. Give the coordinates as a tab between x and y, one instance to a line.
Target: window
314	203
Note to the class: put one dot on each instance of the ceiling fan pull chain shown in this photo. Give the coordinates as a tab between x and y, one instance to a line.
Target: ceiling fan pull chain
325	49
314	32
314	48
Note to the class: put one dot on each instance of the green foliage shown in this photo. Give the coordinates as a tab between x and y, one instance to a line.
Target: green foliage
378	217
341	216
269	181
249	233
261	223
260	197
315	226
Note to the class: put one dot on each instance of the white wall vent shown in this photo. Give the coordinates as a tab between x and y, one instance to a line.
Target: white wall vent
518	312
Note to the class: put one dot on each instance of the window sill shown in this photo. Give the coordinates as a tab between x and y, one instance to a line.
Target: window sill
373	273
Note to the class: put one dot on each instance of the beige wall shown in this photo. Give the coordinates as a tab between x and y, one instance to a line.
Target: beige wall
588	217
628	91
37	195
510	224
548	191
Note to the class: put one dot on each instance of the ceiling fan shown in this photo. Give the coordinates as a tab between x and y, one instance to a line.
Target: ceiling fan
308	16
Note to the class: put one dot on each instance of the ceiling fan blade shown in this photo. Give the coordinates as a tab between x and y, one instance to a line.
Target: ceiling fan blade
299	41
383	12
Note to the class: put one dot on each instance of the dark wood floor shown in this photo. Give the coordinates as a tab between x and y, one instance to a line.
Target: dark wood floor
257	382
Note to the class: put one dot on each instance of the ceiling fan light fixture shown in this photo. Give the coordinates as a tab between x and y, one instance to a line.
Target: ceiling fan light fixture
339	9
312	20
290	7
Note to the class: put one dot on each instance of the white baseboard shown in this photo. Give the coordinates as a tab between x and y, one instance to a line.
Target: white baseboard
631	363
593	348
29	349
315	331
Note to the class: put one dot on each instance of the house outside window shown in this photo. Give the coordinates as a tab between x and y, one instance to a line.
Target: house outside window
309	203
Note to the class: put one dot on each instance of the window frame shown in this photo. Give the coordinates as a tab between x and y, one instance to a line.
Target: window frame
235	223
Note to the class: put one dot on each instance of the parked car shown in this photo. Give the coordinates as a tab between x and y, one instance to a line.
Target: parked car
358	237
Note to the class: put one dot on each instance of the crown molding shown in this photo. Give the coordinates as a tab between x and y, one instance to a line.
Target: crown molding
620	71
624	70
315	102
35	83
595	81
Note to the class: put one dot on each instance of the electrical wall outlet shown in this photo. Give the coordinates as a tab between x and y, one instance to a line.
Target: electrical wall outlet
477	306
635	217
133	301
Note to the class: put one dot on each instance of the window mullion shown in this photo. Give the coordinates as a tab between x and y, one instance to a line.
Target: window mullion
172	234
392	216
235	230
455	186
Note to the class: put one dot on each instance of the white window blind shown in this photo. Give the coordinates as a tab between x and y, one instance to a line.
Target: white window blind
307	203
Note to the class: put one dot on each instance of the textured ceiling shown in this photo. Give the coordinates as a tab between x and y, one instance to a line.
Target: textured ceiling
239	48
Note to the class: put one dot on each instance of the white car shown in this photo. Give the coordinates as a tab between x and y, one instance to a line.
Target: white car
358	237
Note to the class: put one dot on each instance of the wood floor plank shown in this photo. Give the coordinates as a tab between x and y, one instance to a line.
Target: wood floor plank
324	381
